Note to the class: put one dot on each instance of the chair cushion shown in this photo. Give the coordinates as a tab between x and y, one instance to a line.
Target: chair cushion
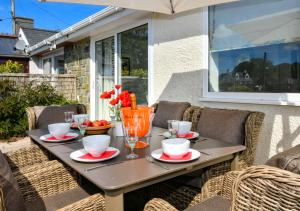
212	204
223	125
9	188
288	160
46	115
167	110
57	201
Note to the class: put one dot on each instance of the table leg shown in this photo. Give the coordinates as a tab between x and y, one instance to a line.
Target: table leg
114	202
235	162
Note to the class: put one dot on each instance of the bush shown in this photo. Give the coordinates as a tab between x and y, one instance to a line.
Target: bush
11	67
15	99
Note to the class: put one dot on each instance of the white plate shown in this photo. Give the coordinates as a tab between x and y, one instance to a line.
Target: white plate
168	135
157	154
45	138
75	155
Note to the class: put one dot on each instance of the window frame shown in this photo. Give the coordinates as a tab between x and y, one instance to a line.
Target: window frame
237	97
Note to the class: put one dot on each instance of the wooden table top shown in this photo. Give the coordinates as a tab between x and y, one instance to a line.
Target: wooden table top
129	173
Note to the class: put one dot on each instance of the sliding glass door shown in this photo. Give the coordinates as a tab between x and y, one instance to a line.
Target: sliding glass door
133	64
130	69
104	58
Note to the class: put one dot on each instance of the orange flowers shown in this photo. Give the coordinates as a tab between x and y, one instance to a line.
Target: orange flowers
114	102
123	97
105	95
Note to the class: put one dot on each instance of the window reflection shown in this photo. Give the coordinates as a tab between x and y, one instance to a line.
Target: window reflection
257	51
133	53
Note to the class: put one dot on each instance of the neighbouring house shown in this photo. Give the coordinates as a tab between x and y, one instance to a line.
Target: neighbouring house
8	51
30	36
240	55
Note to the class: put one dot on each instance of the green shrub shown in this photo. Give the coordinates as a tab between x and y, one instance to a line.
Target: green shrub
11	67
15	99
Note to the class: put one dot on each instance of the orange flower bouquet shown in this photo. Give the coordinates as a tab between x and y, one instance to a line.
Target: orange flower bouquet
117	100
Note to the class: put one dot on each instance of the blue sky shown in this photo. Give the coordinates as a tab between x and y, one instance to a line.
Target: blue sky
56	16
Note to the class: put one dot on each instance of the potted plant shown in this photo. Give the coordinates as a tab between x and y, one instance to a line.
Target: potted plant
117	100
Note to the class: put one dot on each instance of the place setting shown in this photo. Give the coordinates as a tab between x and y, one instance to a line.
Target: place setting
59	132
180	129
95	149
175	150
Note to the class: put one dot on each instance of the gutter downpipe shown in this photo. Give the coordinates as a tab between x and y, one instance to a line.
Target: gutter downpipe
85	22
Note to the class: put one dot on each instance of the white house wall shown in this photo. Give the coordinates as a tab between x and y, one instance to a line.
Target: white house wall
179	61
177	57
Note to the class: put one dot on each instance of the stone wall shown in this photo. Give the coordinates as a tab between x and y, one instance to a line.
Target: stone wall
64	84
77	62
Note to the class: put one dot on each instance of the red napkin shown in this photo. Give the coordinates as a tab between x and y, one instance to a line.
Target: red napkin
187	156
52	138
188	135
106	154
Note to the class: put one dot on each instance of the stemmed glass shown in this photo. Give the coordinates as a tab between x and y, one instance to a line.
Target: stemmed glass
81	124
69	116
131	137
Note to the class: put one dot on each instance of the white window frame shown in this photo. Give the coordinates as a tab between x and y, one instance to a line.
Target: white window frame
51	55
292	99
117	74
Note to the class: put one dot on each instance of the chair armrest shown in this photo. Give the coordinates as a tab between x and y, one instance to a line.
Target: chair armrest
158	204
94	202
228	183
26	157
31	118
44	180
221	185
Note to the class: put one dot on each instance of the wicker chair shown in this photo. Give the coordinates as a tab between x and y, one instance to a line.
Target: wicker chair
212	173
51	180
32	120
252	129
26	157
255	188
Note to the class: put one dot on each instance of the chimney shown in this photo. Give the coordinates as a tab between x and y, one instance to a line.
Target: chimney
23	22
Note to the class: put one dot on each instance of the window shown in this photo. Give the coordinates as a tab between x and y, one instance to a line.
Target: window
47	66
133	53
54	62
59	64
254	47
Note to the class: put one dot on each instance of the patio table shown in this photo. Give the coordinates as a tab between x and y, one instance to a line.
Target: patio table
130	175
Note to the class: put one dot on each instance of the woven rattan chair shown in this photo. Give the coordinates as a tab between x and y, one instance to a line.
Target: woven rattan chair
32	119
26	157
51	181
252	129
255	188
212	174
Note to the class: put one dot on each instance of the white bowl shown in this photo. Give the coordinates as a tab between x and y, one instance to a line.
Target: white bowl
175	146
59	130
184	127
96	145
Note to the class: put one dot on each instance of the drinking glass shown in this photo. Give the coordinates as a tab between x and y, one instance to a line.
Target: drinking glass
81	124
173	128
131	137
69	116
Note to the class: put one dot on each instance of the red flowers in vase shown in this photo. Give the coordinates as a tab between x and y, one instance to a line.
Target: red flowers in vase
117	100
